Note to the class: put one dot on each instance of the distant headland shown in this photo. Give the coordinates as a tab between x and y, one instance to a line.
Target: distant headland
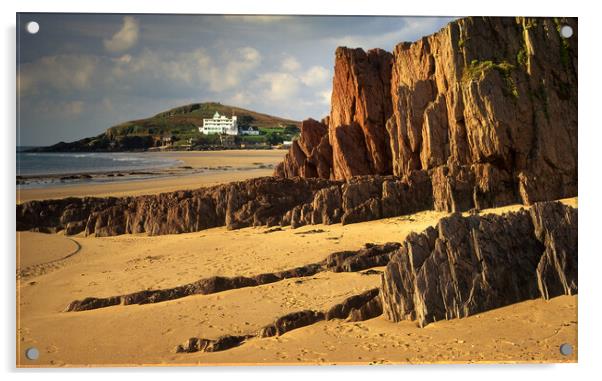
182	128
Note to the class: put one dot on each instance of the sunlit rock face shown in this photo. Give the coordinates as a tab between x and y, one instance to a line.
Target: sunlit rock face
486	106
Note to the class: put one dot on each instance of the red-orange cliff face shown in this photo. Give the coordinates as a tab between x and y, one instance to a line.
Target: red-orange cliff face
487	107
360	108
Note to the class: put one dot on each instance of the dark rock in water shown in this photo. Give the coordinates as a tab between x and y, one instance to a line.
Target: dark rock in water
477	263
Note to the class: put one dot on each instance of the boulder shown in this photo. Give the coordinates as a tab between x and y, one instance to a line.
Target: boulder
468	265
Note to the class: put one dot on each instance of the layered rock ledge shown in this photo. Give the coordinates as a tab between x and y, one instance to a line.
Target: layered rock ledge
266	201
468	265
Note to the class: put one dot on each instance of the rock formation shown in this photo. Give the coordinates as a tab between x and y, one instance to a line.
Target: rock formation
345	261
487	107
355	308
481	114
266	201
310	155
468	265
360	107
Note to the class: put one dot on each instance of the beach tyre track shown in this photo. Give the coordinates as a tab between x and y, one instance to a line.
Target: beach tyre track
46	267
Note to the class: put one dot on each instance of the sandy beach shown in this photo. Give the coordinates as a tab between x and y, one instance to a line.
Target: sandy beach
530	331
244	165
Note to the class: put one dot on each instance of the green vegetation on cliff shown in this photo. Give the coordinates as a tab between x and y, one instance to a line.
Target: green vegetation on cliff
180	127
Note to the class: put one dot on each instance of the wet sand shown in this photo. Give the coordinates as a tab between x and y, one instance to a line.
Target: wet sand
244	164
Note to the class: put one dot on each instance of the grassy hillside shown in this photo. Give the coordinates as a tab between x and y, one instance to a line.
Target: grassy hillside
181	124
185	120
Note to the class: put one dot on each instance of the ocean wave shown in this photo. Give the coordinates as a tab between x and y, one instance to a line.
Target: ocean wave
130	158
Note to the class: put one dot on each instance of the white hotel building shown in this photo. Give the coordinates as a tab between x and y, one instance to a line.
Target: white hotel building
219	124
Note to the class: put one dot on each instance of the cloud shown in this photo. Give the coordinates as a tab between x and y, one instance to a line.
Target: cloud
256	19
278	86
411	29
240	98
240	64
150	73
315	76
61	72
290	64
125	38
324	97
162	69
56	108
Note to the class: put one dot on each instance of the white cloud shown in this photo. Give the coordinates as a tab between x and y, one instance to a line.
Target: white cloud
125	38
411	28
290	64
278	86
324	97
315	76
153	73
150	65
240	64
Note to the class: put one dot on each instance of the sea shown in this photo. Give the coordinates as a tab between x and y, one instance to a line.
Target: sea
45	169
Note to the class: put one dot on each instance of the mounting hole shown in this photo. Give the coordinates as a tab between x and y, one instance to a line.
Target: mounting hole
32	27
566	31
32	353
566	349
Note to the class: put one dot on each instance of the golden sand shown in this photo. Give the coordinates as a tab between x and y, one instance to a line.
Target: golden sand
148	334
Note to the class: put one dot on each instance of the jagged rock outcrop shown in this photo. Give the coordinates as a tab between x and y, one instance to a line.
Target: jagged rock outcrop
487	107
266	201
195	344
369	256
364	306
360	107
472	264
310	155
291	321
485	103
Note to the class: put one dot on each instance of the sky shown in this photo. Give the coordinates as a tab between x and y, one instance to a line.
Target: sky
82	73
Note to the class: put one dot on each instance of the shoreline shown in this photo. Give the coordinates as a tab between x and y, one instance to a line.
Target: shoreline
197	169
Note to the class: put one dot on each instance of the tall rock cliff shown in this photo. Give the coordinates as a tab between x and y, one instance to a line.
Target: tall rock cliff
487	107
360	108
